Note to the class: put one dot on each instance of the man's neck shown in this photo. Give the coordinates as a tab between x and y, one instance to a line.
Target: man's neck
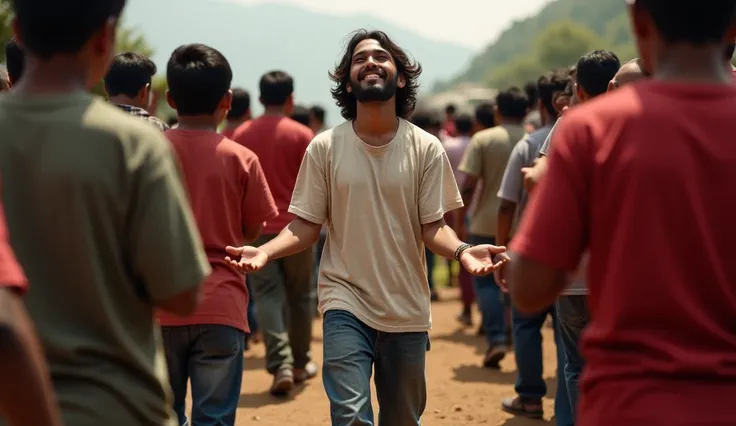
274	111
692	64
376	118
60	75
198	122
510	121
125	100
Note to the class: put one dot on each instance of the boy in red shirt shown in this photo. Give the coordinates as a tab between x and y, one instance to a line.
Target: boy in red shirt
230	200
640	177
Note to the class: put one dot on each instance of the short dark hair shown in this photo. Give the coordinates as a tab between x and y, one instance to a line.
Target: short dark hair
595	70
276	87
551	84
425	120
52	27
531	93
728	53
463	124
241	103
300	114
129	73
318	112
690	21
406	97
14	59
199	76
512	103
484	115
450	109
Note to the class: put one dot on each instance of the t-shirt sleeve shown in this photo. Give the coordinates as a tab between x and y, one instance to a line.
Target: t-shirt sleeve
438	192
554	228
165	245
544	149
310	198
513	181
11	275
258	204
472	162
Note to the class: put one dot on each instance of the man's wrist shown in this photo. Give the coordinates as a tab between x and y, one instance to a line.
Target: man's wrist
461	249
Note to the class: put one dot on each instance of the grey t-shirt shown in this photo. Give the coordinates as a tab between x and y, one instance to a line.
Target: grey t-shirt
545	146
523	155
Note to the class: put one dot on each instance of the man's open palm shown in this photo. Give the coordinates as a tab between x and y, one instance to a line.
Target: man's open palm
478	260
251	258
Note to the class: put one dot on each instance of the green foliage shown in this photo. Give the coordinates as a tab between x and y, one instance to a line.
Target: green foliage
6	30
556	37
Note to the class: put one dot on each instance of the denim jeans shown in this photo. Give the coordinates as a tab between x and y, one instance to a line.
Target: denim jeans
211	356
573	317
285	295
351	351
530	383
492	309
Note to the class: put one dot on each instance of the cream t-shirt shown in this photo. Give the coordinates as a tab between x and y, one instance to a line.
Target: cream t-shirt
375	201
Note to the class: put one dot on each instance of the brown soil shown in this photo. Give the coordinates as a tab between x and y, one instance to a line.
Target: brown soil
460	390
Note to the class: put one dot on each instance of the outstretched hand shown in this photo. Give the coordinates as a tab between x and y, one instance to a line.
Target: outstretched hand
478	260
251	258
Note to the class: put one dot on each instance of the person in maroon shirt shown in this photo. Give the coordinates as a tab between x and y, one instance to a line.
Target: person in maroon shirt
230	200
26	393
642	178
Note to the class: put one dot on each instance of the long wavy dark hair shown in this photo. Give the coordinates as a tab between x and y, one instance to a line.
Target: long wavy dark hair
406	97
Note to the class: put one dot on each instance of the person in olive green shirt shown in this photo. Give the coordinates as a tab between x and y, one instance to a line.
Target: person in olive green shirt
98	218
483	164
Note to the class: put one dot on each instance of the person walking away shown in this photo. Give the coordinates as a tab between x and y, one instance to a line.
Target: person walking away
280	144
100	192
659	348
239	113
383	187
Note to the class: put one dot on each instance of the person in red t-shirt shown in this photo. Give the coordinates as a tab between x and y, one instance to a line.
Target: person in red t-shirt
640	178
26	393
230	200
280	144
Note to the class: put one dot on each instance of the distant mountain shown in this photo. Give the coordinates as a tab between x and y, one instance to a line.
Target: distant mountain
259	38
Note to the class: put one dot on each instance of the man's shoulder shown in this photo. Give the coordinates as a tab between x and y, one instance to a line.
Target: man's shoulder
421	138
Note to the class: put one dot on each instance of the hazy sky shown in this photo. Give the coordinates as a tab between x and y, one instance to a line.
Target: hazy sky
472	23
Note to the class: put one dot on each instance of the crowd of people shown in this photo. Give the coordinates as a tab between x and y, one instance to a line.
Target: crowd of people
139	258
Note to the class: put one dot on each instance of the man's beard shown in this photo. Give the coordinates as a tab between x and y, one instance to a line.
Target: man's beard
375	93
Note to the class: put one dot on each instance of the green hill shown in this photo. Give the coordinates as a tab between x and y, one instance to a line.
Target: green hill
555	37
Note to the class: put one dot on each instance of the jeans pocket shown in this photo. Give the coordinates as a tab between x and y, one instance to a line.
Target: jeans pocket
220	339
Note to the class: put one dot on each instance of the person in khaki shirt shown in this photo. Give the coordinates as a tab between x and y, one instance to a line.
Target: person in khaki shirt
484	163
98	218
382	185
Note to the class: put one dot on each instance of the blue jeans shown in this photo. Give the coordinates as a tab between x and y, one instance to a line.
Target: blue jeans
351	351
573	318
493	312
211	356
251	311
530	384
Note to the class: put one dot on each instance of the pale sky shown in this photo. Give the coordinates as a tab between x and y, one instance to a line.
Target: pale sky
473	23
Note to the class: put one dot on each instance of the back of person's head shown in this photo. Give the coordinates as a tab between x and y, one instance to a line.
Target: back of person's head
484	117
530	89
277	88
129	74
300	114
14	58
4	80
241	104
629	72
199	80
594	71
551	85
685	21
318	114
463	124
450	110
426	120
48	28
512	103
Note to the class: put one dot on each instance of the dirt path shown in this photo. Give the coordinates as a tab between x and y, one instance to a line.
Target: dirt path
460	391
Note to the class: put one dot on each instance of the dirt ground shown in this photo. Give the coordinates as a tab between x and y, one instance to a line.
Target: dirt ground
460	390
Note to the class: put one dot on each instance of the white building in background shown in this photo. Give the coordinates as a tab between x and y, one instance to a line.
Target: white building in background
465	97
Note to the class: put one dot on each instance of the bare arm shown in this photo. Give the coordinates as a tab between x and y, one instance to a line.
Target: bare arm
468	189
533	175
440	239
532	285
298	236
505	219
26	393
